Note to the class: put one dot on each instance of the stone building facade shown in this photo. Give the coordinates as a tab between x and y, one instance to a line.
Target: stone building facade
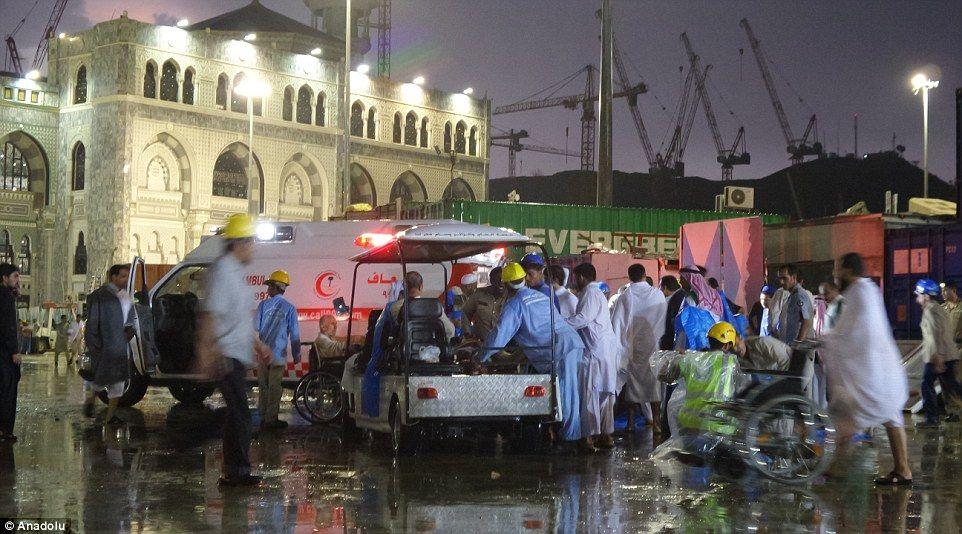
136	143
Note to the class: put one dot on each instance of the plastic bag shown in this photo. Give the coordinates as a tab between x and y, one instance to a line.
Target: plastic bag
695	323
429	354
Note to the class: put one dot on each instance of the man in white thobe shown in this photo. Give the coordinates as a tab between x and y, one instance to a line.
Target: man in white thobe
867	383
599	371
638	320
567	301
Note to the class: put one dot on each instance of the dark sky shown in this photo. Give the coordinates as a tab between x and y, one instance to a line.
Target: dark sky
841	57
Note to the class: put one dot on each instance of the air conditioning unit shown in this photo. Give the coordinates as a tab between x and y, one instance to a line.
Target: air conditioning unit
739	198
719	203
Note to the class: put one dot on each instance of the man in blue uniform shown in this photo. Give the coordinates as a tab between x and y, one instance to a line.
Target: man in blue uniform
526	319
277	325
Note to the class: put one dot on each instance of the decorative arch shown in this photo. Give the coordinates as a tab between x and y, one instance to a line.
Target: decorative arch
187	93
372	123
305	97
78	167
458	189
6	247
473	141
232	176
163	141
135	248
25	255
287	111
80	255
80	86
409	188
168	81
397	127
150	79
20	147
315	189
447	137
411	129
238	102
362	186
357	119
320	111
158	174
173	250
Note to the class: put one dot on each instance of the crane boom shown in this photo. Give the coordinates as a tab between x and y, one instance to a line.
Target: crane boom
671	155
769	84
633	105
51	29
690	119
14	55
703	95
514	145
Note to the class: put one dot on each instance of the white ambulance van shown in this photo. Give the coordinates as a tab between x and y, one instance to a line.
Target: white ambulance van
315	254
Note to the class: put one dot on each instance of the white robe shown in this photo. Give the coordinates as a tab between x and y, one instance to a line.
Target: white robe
593	322
638	320
567	302
867	383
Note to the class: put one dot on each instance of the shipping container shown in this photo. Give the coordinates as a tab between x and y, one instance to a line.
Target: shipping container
568	229
910	254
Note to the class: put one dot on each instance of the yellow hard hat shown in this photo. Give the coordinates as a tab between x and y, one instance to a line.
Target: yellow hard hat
281	277
723	332
239	226
512	272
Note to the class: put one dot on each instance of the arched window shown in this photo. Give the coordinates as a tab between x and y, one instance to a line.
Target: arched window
424	132
319	110
150	80
447	137
79	166
230	176
23	259
287	112
80	256
238	102
357	119
473	142
409	188
411	129
458	189
304	97
135	249
362	186
16	171
293	192
188	91
459	144
397	127
221	98
372	123
80	87
168	81
6	247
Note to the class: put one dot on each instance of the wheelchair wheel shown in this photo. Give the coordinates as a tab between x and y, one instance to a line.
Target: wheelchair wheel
317	397
789	439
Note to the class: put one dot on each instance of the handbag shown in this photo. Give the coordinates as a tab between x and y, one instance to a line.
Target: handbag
209	362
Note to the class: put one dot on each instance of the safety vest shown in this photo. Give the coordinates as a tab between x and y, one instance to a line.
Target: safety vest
709	379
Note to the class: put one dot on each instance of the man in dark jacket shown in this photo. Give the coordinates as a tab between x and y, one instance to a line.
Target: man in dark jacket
675	295
109	330
9	357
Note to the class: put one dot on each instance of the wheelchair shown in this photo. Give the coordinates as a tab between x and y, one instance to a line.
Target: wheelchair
774	427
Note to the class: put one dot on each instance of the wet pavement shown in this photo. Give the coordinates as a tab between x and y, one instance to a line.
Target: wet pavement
158	473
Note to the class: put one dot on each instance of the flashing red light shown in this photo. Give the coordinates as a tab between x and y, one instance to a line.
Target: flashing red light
368	240
534	391
427	393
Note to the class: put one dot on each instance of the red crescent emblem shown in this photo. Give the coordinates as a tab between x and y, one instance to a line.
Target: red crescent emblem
326	284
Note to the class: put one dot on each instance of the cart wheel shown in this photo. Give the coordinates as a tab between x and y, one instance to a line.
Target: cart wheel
789	440
404	439
317	397
350	433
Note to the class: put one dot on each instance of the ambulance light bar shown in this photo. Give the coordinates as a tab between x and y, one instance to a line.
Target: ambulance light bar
371	240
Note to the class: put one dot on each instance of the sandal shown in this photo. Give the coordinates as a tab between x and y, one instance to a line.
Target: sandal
893	479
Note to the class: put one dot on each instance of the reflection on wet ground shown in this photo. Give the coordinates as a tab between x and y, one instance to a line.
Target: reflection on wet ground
159	472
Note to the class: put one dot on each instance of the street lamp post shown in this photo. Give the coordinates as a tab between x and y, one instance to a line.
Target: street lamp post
251	89
921	82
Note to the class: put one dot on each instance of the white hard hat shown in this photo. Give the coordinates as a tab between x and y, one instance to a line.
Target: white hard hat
468	279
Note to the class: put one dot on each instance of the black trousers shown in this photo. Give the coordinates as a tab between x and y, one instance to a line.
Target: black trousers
9	379
237	426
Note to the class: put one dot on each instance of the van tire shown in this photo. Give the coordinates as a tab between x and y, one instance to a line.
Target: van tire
191	393
134	393
403	438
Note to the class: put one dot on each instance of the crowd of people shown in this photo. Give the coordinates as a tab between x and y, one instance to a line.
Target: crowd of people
603	343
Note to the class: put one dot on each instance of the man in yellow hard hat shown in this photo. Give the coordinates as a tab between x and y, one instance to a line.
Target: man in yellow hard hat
277	326
526	319
230	305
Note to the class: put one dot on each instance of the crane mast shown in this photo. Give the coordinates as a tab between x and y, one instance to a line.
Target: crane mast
703	94
633	106
769	84
51	29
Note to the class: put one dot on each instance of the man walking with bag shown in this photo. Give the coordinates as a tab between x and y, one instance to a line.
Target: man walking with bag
277	325
229	310
109	330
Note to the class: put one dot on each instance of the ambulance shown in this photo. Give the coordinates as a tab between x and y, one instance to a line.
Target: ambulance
317	257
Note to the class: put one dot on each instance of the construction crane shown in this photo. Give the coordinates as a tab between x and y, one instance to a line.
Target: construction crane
384	38
51	29
514	145
13	60
633	106
728	157
585	100
672	163
797	148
